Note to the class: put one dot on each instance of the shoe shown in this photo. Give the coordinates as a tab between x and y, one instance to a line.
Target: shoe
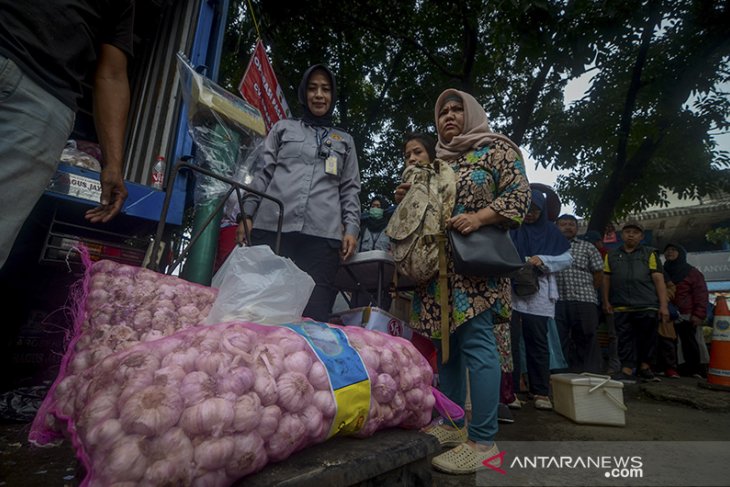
698	376
646	375
624	378
447	437
543	403
516	404
504	415
465	459
671	373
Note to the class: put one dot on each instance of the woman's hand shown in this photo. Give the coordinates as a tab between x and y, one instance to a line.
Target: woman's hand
535	260
349	244
241	230
400	192
464	223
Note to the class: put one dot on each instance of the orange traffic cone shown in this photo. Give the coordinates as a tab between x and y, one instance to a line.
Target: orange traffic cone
719	370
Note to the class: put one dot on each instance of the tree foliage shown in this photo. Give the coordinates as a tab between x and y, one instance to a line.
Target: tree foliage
642	128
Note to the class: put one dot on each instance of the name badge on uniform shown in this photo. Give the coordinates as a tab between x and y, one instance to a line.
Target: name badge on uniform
330	165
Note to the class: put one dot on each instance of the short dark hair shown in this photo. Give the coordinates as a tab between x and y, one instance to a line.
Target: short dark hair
383	200
427	141
566	216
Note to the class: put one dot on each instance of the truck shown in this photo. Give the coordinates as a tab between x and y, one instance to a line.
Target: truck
38	280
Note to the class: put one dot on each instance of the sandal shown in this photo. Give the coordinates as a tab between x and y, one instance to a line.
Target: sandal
543	403
447	436
465	459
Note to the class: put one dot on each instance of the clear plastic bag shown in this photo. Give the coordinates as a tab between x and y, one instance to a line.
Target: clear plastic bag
227	131
254	284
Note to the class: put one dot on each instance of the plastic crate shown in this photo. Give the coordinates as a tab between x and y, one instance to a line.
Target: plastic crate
374	318
589	398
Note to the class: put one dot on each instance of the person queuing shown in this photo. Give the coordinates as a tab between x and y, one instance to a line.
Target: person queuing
311	166
576	312
541	245
691	300
417	148
635	294
372	224
594	238
373	237
612	363
491	188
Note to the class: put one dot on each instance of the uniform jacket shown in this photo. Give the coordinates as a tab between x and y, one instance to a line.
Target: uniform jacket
316	202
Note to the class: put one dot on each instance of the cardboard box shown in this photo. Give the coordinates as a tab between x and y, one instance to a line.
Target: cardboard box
374	318
589	398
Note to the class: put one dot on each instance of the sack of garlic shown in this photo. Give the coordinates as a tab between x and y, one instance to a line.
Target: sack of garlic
212	404
116	307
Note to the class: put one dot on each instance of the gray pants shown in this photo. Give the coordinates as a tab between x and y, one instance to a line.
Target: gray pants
34	126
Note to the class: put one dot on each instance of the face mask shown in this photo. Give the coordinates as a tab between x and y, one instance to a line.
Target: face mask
376	213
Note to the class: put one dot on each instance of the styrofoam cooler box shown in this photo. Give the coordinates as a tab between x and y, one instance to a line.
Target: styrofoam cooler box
589	398
374	318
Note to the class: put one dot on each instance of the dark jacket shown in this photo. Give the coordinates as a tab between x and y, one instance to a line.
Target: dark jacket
691	297
632	286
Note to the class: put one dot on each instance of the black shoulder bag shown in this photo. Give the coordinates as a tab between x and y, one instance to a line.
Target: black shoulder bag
488	252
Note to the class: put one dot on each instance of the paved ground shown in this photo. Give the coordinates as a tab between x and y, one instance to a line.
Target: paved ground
671	411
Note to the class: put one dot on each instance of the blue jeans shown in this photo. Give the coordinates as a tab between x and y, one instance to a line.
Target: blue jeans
34	126
473	346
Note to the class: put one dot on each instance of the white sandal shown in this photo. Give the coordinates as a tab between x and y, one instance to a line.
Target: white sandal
465	459
447	436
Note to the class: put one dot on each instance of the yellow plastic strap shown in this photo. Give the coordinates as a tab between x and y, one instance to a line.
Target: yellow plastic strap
444	298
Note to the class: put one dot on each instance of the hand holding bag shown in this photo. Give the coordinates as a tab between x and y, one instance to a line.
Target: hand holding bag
525	280
488	252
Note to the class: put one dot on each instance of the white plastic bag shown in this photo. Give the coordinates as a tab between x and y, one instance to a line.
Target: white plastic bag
254	284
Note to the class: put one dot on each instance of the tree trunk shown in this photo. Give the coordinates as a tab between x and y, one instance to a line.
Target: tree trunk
611	193
526	107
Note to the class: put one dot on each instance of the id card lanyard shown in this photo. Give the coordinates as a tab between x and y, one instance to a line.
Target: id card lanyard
324	151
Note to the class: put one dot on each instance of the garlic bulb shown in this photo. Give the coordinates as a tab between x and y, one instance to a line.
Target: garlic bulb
265	387
247	412
318	377
124	462
289	435
269	356
196	387
236	381
99	408
152	411
249	455
212	363
213	453
104	434
167	471
269	421
298	362
295	391
384	389
211	416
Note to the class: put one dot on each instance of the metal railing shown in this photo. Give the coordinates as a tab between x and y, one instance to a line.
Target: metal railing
236	186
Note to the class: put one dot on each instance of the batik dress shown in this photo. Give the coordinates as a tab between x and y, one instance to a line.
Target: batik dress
494	177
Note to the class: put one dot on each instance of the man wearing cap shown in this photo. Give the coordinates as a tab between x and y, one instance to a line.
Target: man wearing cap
634	291
576	312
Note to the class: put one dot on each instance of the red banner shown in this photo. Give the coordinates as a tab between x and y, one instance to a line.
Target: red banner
260	88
